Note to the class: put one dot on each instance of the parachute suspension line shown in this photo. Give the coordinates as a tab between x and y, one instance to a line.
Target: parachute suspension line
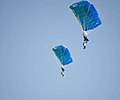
88	8
90	19
62	70
78	17
88	32
84	24
87	12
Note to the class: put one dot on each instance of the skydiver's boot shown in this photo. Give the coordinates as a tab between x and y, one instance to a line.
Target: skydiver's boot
84	47
87	39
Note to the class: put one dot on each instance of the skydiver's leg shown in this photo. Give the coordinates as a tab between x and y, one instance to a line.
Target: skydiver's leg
62	74
62	69
84	45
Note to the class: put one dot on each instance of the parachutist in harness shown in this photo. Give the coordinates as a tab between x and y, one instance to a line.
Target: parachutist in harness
85	39
62	72
88	17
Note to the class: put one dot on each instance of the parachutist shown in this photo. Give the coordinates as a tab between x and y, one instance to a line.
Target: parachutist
85	41
62	72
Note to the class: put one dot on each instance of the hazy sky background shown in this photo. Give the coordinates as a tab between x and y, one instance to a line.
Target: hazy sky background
29	70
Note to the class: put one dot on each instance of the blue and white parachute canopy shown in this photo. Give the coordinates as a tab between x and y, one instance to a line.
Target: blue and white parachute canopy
63	54
86	14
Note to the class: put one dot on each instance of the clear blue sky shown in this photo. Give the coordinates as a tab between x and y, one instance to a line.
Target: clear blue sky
29	70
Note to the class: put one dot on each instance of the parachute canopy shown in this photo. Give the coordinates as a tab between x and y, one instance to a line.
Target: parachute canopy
62	54
86	14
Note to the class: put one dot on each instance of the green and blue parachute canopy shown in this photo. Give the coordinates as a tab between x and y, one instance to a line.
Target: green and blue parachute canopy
62	54
86	14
